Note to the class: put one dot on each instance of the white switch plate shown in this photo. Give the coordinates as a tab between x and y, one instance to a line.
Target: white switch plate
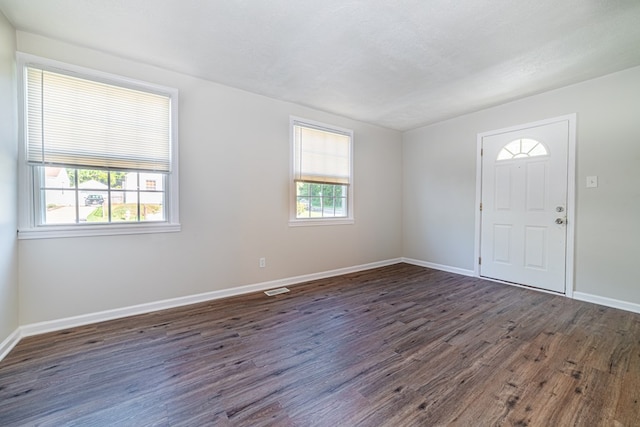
592	181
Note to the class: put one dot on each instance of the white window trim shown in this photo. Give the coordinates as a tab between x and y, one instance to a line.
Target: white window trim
27	228
298	222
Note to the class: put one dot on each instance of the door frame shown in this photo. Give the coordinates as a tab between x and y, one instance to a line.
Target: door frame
571	196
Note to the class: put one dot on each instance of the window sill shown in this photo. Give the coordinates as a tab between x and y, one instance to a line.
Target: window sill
61	231
315	222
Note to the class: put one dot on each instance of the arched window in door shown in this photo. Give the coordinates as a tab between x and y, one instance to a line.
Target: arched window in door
520	148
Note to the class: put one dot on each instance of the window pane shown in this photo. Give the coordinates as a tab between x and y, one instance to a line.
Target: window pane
92	179
302	189
538	150
341	206
302	207
513	147
124	212
117	179
59	207
58	178
504	154
327	203
151	181
95	206
151	206
303	200
117	197
315	189
527	145
328	190
58	197
316	207
121	210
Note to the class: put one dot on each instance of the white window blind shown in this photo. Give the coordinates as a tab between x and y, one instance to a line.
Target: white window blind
321	156
73	121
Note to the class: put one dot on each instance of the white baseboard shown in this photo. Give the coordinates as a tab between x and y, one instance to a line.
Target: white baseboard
85	319
441	267
609	302
7	345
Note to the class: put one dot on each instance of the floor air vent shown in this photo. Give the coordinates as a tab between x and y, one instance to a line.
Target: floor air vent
278	291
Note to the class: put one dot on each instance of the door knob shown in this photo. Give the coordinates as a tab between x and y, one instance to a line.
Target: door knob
560	221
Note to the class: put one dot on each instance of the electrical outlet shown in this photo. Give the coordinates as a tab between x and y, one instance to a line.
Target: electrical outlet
262	262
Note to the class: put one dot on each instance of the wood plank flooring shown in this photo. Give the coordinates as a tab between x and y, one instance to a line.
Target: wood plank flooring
395	346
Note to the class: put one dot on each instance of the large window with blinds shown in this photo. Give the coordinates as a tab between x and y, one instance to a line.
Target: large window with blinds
322	173
99	153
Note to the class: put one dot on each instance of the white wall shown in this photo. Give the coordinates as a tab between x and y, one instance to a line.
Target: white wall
234	184
439	182
8	183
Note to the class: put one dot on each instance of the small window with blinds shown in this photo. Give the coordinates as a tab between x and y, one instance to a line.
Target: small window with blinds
322	173
92	144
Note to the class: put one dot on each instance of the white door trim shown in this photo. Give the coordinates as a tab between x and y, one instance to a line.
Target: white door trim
571	192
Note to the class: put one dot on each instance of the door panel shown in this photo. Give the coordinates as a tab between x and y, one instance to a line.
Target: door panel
535	248
524	181
536	186
503	188
502	243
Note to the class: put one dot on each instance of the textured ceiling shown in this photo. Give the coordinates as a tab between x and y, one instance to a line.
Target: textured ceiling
396	63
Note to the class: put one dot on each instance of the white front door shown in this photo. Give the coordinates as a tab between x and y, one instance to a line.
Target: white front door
523	234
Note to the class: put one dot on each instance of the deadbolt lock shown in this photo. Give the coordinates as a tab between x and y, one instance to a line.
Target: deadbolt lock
559	209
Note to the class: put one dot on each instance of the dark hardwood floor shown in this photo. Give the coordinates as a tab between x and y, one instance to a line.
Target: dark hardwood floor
395	346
